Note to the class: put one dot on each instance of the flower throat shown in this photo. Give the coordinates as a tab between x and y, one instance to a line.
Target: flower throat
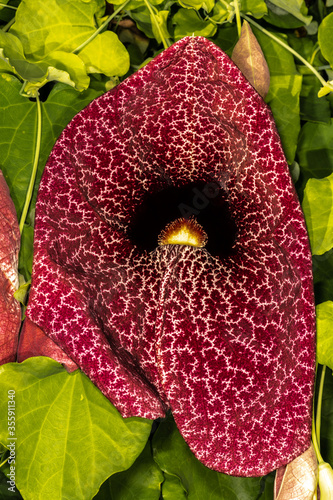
196	214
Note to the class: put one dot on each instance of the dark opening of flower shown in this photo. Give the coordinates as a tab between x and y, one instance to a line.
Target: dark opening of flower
183	232
204	201
223	335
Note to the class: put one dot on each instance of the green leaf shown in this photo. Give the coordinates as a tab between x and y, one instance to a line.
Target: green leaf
324	315
325	38
14	54
18	124
315	149
142	481
142	18
60	60
7	14
172	488
55	25
207	5
287	13
322	266
255	8
17	142
283	98
26	251
224	10
312	107
284	92
5	493
221	13
318	210
189	23
327	419
69	436
42	49
106	54
226	37
268	493
280	61
159	25
176	459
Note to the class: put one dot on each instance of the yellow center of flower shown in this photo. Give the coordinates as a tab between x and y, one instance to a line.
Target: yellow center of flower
183	232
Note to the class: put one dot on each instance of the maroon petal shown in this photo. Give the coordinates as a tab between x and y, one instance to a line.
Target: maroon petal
223	336
33	342
10	311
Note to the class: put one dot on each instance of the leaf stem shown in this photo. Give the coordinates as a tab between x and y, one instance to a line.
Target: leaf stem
8	25
287	47
319	402
165	44
238	18
313	430
101	28
34	166
321	68
8	6
314	54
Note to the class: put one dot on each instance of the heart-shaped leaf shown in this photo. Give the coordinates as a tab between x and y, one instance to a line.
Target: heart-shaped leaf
318	210
72	448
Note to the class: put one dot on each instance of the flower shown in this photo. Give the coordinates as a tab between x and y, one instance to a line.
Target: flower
223	335
10	311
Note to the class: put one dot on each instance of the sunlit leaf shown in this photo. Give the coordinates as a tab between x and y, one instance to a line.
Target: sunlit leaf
324	312
76	437
318	210
188	23
106	54
256	8
325	38
287	13
44	49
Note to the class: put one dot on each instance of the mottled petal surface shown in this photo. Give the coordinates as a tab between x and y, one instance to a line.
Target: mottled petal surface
224	336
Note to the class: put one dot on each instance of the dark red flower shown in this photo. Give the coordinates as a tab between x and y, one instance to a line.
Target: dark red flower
10	311
222	335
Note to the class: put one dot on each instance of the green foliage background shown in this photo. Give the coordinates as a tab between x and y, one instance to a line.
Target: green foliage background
71	442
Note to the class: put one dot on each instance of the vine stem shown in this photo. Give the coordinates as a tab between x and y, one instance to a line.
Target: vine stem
8	25
34	166
319	403
165	45
101	28
8	6
287	47
238	18
315	436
